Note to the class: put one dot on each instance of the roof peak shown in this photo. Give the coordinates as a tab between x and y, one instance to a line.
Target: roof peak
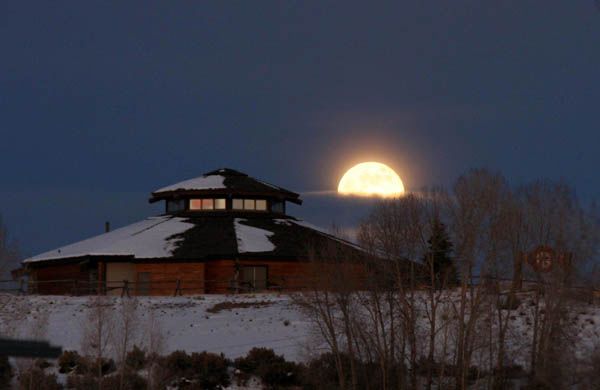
225	172
224	181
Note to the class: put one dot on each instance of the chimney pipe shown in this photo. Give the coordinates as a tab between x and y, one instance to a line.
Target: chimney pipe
106	227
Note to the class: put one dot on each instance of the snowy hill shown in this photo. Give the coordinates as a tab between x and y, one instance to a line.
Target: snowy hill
192	324
230	324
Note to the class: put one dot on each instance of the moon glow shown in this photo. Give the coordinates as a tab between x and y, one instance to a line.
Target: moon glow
371	179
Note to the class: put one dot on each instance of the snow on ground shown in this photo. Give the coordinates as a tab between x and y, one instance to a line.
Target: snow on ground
260	320
186	324
251	239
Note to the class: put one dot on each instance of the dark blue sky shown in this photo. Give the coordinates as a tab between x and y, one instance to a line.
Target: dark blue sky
102	102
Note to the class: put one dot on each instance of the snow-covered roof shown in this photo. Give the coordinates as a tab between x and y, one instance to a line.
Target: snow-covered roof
210	182
201	237
150	238
225	181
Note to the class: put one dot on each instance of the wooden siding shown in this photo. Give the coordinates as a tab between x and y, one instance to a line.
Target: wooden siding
163	277
213	277
282	275
62	278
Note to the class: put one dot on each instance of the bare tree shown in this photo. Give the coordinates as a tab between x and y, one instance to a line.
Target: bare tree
9	252
329	302
36	330
475	213
126	326
98	328
416	330
154	343
559	221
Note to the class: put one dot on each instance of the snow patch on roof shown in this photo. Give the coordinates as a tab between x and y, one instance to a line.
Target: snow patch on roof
147	239
251	239
210	182
309	225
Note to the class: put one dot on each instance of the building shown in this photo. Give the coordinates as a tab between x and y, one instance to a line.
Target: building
221	232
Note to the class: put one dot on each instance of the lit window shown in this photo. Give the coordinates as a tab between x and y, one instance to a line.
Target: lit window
249	204
238	204
220	204
207	204
261	204
195	204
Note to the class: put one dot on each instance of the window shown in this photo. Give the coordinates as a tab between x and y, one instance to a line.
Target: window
250	204
220	204
207	204
254	277
277	207
261	205
175	205
143	283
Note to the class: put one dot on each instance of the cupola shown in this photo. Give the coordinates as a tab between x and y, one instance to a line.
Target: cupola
224	190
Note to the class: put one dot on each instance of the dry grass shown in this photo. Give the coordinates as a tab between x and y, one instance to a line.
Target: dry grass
230	305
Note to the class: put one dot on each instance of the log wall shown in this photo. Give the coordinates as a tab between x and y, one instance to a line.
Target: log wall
60	279
282	275
163	277
212	277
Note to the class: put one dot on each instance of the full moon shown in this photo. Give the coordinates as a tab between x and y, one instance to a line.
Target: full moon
371	179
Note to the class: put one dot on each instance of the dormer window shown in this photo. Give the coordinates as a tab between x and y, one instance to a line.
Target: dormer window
249	204
277	207
207	204
175	205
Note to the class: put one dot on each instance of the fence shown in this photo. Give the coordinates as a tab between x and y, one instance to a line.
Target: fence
179	287
175	287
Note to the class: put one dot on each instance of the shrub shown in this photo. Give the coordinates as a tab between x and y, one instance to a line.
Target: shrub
35	378
178	364
68	360
82	382
321	373
5	372
281	374
272	369
160	375
136	359
210	370
131	381
42	364
256	358
107	366
83	366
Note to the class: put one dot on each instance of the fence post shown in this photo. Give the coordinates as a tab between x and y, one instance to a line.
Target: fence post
125	289
178	288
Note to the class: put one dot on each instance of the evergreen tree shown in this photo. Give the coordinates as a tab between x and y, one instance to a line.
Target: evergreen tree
439	257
